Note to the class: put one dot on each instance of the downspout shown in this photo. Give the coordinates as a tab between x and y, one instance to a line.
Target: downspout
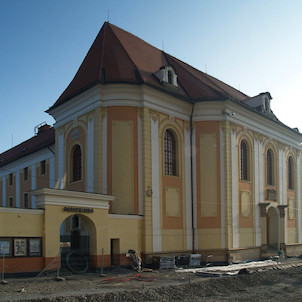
192	187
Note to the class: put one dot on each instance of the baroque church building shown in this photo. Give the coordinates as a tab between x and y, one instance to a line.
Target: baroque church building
150	154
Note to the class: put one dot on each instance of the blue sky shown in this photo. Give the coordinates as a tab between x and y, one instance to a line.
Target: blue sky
254	46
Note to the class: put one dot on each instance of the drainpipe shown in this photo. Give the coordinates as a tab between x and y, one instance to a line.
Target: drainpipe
192	188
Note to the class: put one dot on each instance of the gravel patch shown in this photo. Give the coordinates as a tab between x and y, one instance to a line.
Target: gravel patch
277	283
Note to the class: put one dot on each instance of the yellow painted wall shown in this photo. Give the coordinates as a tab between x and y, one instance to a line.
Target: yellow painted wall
246	237
122	167
147	178
209	238
208	175
291	235
98	135
129	231
173	240
17	224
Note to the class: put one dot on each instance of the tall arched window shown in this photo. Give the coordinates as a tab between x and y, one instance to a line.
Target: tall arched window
290	173
170	153
76	163
269	167
243	161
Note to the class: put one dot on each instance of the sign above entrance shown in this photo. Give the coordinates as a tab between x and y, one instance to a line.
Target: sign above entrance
78	210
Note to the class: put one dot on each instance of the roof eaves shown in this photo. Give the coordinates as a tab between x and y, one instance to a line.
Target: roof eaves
277	121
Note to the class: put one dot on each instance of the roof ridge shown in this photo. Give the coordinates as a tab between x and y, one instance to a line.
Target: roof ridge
137	37
126	52
102	57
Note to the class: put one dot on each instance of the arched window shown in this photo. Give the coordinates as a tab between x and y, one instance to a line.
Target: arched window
170	153
269	167
76	163
290	173
243	161
170	77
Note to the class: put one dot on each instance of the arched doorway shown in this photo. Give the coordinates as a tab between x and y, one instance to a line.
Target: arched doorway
76	234
273	229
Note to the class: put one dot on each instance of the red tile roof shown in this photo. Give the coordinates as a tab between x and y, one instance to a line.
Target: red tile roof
117	56
45	138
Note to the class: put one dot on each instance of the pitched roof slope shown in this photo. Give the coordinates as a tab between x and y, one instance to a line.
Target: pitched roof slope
44	139
117	56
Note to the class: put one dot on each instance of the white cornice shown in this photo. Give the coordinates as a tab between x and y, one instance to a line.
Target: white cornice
145	96
79	105
166	103
21	211
47	196
120	95
149	97
230	111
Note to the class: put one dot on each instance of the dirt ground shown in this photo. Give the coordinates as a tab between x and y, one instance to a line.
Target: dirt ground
281	282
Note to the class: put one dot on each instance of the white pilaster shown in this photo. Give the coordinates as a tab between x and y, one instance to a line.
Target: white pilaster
194	189
156	213
284	177
280	180
222	190
140	165
4	191
258	181
299	198
90	156
52	173
234	190
282	186
18	189
61	161
104	154
33	184
187	152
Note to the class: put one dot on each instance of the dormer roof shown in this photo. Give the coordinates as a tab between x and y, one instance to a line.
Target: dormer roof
117	56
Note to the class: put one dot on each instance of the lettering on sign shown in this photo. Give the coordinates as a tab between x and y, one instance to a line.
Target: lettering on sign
78	210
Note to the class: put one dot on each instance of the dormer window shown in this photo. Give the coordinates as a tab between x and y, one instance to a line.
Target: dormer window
261	102
167	76
267	104
170	77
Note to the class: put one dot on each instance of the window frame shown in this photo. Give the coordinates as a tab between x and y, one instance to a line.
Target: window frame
170	153
290	174
244	160
26	200
43	167
10	179
76	163
270	167
170	77
10	202
25	173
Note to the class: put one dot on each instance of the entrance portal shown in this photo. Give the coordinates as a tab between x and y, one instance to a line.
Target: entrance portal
74	238
273	228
